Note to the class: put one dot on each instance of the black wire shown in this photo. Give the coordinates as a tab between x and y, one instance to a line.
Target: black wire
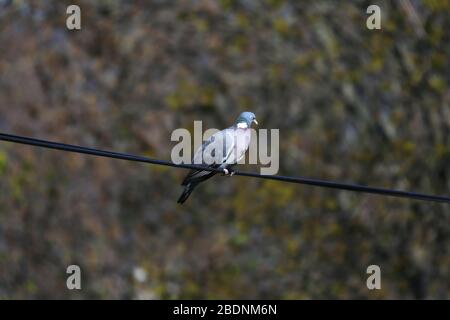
306	181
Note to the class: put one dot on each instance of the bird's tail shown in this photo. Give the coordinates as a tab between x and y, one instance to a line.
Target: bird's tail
186	193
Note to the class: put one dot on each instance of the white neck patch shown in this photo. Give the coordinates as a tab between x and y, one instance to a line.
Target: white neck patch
242	125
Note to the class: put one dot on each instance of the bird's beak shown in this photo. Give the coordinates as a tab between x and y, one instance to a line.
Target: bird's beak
256	122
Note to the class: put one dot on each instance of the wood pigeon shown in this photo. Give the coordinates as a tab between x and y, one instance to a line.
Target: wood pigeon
221	151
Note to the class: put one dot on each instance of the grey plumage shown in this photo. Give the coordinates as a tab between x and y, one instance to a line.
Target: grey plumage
221	151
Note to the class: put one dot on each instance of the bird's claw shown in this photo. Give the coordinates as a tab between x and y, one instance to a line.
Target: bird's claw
228	172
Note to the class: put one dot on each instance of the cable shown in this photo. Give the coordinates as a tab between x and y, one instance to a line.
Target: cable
299	180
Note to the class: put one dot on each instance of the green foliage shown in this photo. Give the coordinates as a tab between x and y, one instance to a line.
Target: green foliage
3	161
354	105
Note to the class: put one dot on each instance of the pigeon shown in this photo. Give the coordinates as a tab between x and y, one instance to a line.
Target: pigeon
222	151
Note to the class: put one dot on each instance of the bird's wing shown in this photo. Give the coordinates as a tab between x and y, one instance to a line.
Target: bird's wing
215	149
213	153
240	146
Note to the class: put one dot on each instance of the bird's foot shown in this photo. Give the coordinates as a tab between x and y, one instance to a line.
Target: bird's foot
228	172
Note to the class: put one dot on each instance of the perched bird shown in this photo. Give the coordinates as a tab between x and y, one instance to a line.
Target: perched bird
221	151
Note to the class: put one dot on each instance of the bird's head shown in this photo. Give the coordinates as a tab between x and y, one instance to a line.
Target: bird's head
246	119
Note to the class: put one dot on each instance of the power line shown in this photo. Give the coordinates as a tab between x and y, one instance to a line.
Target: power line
299	180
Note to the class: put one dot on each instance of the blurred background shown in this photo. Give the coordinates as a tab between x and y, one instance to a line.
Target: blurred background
352	104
